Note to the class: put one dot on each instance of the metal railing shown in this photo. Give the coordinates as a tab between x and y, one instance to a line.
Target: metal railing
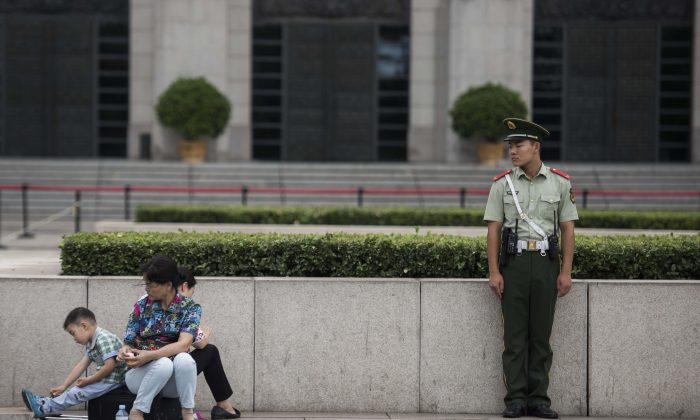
244	191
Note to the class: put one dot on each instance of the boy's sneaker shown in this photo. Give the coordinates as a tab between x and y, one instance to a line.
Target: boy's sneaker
26	400
33	403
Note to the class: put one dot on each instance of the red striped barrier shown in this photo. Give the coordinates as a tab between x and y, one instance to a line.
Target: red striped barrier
244	191
627	193
301	190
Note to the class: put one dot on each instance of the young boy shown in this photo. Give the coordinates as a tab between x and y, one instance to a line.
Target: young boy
102	348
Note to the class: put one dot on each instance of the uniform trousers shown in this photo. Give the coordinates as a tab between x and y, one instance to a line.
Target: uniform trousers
176	378
75	396
529	298
208	361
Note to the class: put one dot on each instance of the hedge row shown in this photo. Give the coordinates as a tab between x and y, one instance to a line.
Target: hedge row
398	216
373	255
310	215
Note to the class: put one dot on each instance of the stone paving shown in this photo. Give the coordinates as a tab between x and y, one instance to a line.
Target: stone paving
20	413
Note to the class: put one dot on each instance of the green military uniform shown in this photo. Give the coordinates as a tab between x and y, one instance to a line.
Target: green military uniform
530	288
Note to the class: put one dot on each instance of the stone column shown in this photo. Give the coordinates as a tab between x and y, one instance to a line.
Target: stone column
141	114
238	142
456	44
428	80
489	40
695	119
171	39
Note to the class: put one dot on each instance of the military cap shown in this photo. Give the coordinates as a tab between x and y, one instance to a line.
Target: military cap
522	128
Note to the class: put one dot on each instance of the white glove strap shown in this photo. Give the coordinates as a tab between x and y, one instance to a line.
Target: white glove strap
522	214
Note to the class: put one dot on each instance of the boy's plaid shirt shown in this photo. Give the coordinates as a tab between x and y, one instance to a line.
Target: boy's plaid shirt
104	345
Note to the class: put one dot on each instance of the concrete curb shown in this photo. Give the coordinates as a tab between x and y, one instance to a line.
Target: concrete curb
387	345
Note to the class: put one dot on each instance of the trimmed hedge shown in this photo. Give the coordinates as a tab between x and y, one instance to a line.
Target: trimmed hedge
373	255
637	219
194	108
310	215
480	111
398	216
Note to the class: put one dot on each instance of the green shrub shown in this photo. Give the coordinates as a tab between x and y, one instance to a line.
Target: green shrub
312	215
637	219
194	108
398	216
374	255
480	111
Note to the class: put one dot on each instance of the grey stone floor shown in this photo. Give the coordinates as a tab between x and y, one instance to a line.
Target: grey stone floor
20	413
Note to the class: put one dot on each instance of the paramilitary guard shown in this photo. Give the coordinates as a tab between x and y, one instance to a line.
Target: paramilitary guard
530	207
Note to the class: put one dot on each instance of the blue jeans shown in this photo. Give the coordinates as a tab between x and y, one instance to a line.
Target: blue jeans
75	396
175	378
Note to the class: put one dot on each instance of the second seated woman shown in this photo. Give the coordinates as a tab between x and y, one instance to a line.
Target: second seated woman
208	360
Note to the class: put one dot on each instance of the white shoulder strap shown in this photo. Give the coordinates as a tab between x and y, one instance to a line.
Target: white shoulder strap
522	214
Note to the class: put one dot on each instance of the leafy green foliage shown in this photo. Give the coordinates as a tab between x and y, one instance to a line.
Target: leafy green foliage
481	109
637	219
398	216
312	215
235	254
637	257
374	255
194	108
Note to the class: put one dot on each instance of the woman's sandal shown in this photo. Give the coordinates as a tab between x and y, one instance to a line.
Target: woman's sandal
188	414
219	413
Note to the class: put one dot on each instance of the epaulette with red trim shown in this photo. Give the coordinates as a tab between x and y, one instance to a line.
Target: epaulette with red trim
560	173
502	174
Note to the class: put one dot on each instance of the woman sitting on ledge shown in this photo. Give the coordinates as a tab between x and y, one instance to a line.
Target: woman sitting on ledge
161	328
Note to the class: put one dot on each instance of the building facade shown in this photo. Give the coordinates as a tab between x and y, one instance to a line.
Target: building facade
64	78
350	80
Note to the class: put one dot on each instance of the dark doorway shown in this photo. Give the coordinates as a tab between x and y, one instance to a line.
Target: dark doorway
612	80
330	80
63	78
330	92
49	86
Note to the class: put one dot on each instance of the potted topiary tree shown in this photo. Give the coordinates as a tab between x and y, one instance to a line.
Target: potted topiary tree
479	113
195	109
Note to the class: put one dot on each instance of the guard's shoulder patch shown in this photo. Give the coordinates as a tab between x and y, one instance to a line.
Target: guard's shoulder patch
560	173
501	175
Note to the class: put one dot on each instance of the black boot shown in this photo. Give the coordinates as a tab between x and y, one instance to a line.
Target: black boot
542	411
513	410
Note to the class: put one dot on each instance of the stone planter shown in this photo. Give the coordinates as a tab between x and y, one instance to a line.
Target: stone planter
490	153
193	151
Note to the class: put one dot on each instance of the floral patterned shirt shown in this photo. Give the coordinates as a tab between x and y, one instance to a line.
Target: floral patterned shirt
150	327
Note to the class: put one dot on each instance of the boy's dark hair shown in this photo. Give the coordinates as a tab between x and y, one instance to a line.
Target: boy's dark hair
160	269
185	276
77	315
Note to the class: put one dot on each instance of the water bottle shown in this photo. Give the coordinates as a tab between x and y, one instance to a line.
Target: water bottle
122	414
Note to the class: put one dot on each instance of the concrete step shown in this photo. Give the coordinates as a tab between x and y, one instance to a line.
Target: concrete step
21	413
15	413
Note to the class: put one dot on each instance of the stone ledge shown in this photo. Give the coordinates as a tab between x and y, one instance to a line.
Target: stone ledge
409	345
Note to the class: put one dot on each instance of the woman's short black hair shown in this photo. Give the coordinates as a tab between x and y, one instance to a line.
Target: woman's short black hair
160	269
186	277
